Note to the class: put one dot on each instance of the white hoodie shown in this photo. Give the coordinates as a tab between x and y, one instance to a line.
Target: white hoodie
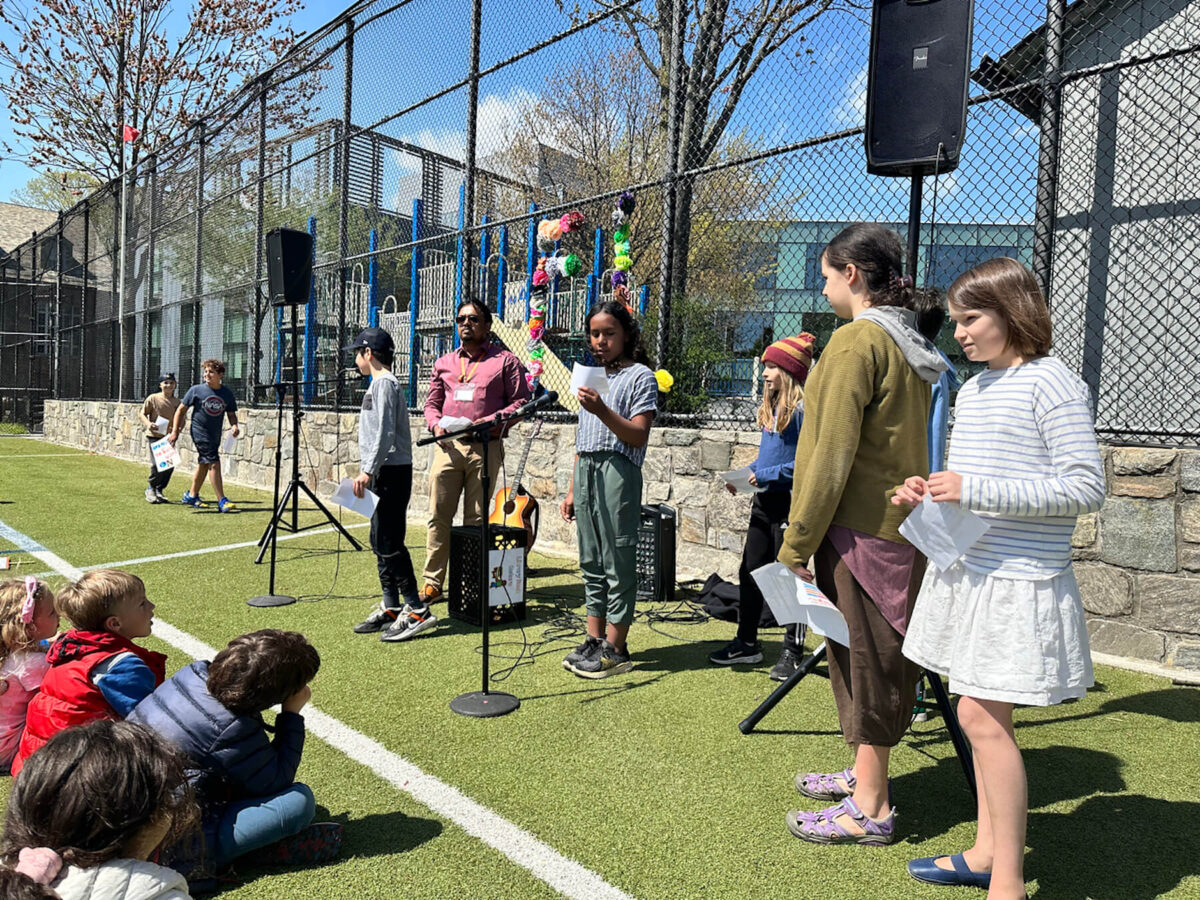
121	879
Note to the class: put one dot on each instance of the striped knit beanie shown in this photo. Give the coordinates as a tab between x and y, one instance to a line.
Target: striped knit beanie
792	354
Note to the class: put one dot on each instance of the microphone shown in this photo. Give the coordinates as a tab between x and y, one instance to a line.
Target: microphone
549	398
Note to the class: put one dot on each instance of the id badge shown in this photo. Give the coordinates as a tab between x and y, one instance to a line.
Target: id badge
464	393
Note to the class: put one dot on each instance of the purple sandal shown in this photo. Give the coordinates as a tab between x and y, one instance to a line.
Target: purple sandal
824	786
821	828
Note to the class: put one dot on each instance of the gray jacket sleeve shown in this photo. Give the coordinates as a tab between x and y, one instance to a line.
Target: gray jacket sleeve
380	435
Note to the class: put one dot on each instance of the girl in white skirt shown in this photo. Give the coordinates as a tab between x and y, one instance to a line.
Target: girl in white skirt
1004	623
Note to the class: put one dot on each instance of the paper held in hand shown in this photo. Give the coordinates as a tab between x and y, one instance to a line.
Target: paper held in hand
739	480
344	497
942	531
792	599
161	424
453	423
227	444
165	456
590	377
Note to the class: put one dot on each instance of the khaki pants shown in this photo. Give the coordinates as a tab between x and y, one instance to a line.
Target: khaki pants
456	472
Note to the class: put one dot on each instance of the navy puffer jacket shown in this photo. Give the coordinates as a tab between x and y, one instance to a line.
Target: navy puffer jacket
231	756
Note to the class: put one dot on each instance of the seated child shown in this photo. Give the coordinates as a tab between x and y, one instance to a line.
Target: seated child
96	671
90	808
245	781
27	618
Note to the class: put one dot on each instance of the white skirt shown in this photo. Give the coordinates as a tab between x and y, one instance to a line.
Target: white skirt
1003	639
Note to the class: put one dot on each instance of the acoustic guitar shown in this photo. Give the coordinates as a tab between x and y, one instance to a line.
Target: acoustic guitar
515	507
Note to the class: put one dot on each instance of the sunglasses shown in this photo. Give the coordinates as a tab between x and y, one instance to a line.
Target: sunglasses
462	320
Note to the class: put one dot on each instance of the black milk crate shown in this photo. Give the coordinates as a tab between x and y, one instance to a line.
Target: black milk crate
656	553
465	592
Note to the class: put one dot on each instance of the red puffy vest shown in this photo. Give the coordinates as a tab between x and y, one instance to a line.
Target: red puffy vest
68	696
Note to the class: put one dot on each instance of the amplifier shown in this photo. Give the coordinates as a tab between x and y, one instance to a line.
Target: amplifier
656	553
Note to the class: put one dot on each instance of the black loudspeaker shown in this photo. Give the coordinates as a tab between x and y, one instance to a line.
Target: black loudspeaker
656	553
917	85
289	265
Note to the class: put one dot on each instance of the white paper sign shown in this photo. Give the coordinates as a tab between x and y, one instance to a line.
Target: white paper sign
506	576
161	424
942	531
227	444
739	479
344	497
165	456
792	599
590	377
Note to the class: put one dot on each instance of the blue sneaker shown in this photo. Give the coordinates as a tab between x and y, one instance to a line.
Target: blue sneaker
189	500
226	505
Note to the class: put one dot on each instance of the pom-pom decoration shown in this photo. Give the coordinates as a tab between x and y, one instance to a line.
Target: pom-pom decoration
621	295
572	221
622	263
621	233
619	277
621	248
540	277
626	202
618	218
545	245
536	332
665	380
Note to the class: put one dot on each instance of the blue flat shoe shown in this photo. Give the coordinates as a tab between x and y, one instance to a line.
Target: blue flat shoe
928	871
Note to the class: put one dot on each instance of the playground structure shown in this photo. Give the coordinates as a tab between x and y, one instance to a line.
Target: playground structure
422	324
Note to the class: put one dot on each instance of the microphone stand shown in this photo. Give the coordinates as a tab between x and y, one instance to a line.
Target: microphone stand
485	703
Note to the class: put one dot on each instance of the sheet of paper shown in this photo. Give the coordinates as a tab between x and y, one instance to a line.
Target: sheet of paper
161	424
165	456
740	480
344	497
792	599
942	531
590	377
227	444
453	423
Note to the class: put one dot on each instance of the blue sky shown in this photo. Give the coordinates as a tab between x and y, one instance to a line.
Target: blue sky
796	95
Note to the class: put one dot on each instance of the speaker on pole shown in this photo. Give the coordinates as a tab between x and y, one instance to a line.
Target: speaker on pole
289	266
917	81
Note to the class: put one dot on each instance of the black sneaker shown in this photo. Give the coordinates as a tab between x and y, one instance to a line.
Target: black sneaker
160	496
591	646
737	653
789	662
379	618
610	661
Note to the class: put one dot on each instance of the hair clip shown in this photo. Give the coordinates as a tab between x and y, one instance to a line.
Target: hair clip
31	589
900	281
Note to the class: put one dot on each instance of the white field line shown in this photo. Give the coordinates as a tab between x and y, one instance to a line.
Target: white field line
40	455
542	861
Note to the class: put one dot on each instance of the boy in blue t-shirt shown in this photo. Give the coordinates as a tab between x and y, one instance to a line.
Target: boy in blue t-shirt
213	401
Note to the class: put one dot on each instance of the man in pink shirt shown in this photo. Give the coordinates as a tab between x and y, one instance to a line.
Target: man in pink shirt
475	381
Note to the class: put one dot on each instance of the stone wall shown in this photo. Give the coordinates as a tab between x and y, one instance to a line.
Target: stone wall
1138	559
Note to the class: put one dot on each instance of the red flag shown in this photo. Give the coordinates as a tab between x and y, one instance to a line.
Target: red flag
130	134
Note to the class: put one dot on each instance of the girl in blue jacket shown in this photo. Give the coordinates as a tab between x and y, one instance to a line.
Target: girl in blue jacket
785	369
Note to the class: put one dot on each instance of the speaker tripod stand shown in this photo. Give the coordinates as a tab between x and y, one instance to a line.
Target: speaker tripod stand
942	705
295	488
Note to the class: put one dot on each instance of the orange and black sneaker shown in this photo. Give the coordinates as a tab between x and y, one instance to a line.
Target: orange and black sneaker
430	594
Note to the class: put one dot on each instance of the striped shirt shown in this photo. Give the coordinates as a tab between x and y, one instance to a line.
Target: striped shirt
1024	444
631	392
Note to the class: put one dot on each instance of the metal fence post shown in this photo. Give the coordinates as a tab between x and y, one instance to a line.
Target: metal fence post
55	349
414	295
1048	146
344	212
259	223
501	270
531	255
372	281
198	275
666	269
468	204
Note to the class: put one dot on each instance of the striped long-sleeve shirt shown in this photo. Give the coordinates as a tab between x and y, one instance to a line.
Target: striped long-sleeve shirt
1024	444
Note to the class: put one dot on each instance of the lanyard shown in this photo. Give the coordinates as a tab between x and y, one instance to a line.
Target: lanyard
464	376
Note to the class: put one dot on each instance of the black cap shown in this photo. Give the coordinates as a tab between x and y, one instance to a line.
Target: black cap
167	376
373	339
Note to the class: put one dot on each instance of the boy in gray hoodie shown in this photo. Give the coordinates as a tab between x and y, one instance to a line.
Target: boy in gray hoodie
385	467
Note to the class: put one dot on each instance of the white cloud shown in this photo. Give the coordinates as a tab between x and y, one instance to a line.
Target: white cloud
852	110
497	116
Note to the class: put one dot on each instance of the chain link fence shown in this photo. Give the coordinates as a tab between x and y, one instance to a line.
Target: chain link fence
421	143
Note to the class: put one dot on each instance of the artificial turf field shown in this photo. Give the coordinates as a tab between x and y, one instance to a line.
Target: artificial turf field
643	779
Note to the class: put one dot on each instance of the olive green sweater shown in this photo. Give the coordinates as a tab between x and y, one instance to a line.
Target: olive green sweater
864	432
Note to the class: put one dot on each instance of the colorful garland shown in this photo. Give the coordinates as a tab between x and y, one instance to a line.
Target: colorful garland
622	258
551	264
